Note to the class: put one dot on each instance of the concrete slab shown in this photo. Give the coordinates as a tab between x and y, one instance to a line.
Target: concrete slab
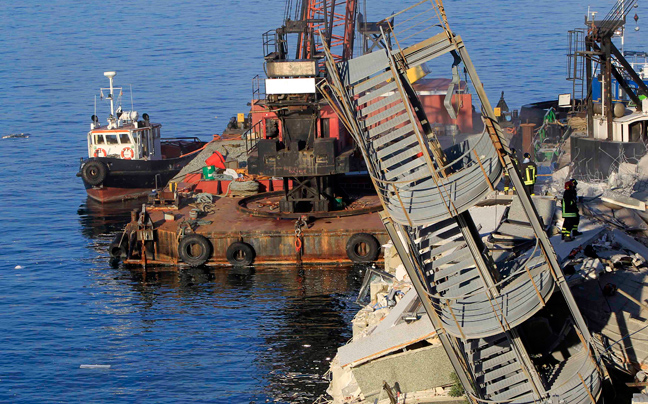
591	231
544	205
416	370
488	217
408	303
390	339
623	201
588	270
630	219
630	243
616	320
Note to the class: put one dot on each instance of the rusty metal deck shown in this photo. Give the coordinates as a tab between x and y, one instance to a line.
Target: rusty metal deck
273	240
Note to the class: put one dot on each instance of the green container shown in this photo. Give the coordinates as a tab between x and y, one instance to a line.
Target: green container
208	173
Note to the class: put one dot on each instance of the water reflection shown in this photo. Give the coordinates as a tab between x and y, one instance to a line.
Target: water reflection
315	321
98	219
276	328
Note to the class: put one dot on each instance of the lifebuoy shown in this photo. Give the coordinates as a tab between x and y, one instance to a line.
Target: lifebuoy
194	250
240	254
362	248
100	152
127	153
94	172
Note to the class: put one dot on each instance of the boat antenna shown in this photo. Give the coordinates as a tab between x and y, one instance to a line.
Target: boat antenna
111	76
131	92
95	112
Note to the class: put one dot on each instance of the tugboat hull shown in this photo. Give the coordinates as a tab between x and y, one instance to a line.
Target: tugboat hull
109	179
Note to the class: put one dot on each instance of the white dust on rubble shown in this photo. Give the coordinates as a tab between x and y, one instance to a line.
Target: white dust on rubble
628	180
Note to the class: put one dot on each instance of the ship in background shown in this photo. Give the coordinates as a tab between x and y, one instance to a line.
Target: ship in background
128	158
604	119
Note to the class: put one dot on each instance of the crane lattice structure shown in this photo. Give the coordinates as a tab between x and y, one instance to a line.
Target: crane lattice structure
600	49
330	22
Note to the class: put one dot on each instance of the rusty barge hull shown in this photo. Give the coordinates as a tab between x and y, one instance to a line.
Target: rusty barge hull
324	242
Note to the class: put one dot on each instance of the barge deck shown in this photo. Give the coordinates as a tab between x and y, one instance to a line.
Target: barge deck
240	235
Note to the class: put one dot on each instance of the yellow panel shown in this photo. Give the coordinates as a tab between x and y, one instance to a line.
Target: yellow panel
416	73
498	112
240	117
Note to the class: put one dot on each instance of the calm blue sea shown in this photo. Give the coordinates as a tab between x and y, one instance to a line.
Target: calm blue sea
193	336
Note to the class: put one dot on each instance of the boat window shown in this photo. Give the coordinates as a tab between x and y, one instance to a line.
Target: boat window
98	139
111	139
124	138
145	141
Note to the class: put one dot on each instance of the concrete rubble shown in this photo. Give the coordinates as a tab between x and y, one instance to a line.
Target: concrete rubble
394	341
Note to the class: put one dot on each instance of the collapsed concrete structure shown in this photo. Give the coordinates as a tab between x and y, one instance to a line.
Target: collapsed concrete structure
605	267
487	306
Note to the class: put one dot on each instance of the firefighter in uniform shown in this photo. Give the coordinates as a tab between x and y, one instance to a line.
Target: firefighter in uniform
570	214
507	179
529	173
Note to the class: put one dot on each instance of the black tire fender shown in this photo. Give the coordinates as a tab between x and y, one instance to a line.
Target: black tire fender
118	248
362	248
194	250
94	172
240	254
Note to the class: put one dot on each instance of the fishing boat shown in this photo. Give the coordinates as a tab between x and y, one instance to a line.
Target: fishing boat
128	158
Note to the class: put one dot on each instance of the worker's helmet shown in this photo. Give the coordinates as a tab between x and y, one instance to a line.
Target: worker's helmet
527	156
569	185
574	182
513	151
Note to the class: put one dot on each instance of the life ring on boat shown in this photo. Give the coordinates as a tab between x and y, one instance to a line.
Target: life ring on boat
194	250
100	152
240	254
362	248
94	172
127	153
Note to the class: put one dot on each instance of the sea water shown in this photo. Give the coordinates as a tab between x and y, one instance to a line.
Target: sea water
194	335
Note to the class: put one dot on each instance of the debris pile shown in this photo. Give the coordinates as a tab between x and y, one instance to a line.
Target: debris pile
607	276
392	341
606	268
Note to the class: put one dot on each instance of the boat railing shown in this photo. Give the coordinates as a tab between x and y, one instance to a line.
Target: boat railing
252	137
258	93
167	139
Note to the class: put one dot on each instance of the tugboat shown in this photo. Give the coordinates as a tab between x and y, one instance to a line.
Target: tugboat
127	158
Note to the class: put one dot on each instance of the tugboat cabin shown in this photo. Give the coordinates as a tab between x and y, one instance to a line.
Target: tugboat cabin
134	140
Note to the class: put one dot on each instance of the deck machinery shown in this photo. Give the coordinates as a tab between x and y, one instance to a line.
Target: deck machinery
611	92
600	49
508	321
295	134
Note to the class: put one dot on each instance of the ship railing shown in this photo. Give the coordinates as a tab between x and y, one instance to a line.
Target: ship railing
258	88
193	138
252	137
